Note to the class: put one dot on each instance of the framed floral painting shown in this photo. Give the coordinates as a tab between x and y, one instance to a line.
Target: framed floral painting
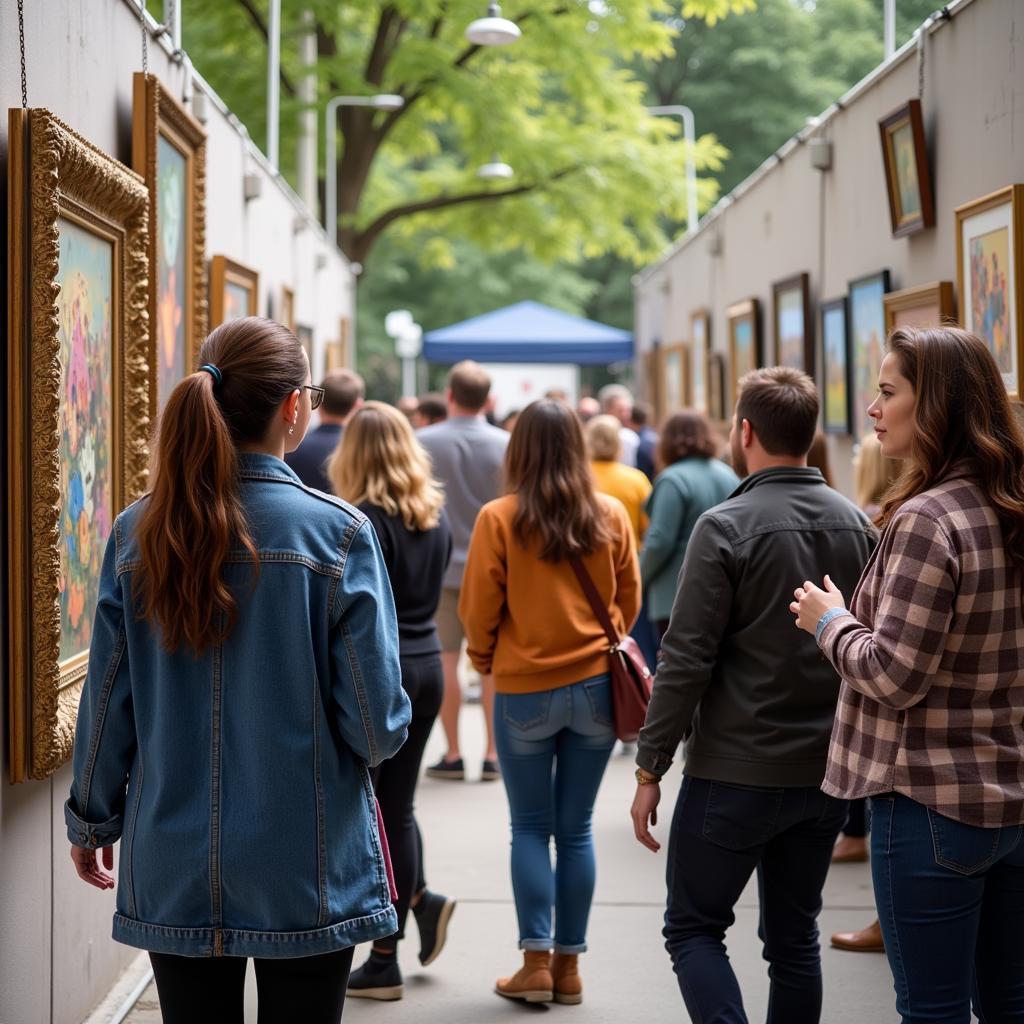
234	290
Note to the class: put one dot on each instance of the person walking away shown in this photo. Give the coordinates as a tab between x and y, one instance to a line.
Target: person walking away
931	653
243	679
528	620
343	394
647	448
430	408
467	455
617	400
382	469
756	710
692	481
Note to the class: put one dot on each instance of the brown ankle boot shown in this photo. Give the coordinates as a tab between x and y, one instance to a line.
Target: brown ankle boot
532	982
566	978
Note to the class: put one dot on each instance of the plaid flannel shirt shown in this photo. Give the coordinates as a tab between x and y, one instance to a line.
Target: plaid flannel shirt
932	661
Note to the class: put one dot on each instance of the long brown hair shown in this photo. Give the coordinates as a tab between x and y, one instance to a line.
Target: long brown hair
193	517
961	414
546	468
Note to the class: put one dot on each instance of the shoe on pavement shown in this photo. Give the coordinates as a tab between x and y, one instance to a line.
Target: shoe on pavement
532	982
565	975
850	850
379	978
867	940
490	772
454	770
432	913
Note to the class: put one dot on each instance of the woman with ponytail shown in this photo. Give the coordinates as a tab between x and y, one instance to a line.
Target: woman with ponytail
243	680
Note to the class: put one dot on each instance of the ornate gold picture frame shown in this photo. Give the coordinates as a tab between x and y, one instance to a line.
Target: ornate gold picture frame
169	151
77	414
234	290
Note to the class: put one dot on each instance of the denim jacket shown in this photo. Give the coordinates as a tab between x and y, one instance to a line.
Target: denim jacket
238	781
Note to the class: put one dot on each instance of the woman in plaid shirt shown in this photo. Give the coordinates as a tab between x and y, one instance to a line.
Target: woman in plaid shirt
930	721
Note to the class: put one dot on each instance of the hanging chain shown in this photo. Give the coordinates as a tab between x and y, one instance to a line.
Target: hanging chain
921	36
145	41
21	40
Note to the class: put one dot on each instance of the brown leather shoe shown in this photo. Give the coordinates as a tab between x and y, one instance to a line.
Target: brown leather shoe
566	976
850	850
532	982
867	940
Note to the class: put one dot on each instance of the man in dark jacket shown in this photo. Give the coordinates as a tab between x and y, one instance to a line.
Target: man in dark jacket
756	708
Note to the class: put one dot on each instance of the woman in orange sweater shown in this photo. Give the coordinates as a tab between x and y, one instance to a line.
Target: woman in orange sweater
529	623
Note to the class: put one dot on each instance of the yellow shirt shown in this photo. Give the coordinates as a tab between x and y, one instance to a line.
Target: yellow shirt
627	484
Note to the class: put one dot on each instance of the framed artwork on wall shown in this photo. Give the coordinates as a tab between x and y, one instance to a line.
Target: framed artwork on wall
700	331
654	381
718	374
333	355
745	349
866	308
305	335
835	368
794	328
287	308
907	178
675	360
78	412
234	290
990	277
927	305
169	151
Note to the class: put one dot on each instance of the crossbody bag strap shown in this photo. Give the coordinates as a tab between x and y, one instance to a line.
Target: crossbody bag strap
590	589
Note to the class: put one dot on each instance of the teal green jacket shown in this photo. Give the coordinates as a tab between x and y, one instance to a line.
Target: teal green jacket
682	493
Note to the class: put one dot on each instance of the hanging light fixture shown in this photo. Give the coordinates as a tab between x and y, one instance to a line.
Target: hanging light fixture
496	169
494	30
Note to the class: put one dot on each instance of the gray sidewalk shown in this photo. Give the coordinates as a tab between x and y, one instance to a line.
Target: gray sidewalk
626	974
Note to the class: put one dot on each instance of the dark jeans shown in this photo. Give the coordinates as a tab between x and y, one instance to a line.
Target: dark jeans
395	782
856	826
721	834
211	990
951	902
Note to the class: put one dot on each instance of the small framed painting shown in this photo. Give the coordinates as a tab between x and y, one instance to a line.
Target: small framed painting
866	308
334	356
700	332
718	374
234	290
835	368
675	361
745	350
287	308
907	178
928	305
989	270
305	335
794	331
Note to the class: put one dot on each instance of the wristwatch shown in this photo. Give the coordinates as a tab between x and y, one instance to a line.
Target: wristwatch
645	778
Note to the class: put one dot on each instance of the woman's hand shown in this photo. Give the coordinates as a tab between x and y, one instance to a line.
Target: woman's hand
812	602
89	870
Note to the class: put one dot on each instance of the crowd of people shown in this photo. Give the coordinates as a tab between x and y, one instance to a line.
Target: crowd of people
281	621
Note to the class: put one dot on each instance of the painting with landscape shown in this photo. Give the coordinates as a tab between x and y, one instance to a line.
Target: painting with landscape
836	359
867	339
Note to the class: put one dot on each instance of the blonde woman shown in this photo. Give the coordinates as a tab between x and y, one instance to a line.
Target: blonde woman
382	469
612	477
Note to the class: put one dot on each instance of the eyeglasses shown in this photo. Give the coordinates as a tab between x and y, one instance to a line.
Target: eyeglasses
316	396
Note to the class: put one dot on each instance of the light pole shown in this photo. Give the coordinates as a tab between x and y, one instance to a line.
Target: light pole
690	132
383	101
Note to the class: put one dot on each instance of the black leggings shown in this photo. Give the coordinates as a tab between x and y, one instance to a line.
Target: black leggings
211	990
395	783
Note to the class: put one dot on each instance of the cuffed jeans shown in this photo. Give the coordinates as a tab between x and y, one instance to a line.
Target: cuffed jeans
553	747
951	903
721	833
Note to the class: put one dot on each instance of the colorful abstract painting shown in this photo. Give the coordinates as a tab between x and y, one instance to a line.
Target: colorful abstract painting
837	376
172	172
989	256
236	301
86	427
791	328
867	336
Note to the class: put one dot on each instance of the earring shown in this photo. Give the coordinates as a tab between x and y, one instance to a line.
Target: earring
291	430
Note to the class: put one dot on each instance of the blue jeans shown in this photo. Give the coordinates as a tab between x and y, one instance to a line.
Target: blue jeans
951	903
553	747
721	834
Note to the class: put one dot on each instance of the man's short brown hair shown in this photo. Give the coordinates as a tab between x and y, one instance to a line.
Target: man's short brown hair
342	390
469	384
781	405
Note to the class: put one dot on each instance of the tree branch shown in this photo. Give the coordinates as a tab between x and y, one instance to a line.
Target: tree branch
261	26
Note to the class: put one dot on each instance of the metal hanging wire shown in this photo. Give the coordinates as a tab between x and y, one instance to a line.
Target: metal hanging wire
145	37
21	42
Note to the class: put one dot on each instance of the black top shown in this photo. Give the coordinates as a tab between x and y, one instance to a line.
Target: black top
309	460
416	561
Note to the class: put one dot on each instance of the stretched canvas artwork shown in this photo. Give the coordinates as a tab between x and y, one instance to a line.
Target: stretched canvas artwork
234	290
718	373
866	304
700	330
305	335
287	310
927	305
908	180
745	354
835	354
794	335
674	360
990	258
78	412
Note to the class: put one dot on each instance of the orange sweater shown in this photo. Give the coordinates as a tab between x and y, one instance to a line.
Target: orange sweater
528	621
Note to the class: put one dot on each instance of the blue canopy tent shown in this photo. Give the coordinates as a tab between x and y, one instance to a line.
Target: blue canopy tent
528	332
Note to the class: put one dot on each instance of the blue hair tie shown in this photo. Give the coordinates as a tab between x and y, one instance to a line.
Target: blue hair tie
213	372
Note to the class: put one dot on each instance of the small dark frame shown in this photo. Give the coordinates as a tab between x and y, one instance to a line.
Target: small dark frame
907	117
801	283
717	375
845	425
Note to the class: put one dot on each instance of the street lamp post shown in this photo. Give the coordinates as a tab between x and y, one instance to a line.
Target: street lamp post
690	132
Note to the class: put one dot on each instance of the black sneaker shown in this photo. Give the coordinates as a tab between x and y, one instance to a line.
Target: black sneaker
454	770
379	978
432	913
490	772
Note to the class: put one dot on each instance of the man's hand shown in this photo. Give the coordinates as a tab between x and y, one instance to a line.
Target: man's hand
812	602
644	811
89	870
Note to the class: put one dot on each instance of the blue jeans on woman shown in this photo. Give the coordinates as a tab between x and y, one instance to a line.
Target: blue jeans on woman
553	747
951	903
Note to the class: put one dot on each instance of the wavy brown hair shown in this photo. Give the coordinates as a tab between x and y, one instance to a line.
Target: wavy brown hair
193	518
546	468
961	414
684	435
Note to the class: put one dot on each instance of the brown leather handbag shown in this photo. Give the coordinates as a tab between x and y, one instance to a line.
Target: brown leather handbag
631	678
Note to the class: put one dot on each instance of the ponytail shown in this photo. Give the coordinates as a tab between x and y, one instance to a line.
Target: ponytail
194	518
